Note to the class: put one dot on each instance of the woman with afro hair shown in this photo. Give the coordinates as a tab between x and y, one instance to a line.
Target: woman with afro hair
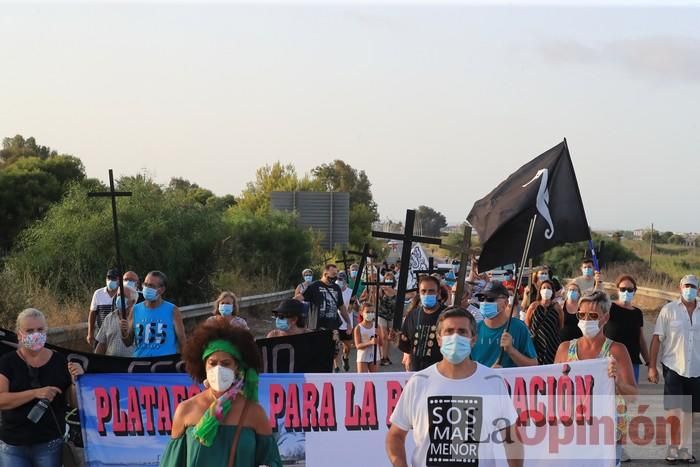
226	413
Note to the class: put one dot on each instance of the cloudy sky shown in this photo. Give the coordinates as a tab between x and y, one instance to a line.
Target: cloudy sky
438	104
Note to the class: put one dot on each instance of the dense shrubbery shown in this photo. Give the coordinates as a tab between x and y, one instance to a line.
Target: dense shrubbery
566	259
189	238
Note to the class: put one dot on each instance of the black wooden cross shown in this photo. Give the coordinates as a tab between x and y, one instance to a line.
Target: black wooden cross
112	193
464	253
407	238
376	311
417	272
346	260
364	254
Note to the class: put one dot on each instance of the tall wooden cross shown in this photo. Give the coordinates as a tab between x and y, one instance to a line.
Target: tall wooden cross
112	193
346	260
417	272
407	238
364	254
464	254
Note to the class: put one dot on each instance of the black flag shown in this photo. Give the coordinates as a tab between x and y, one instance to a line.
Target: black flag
545	186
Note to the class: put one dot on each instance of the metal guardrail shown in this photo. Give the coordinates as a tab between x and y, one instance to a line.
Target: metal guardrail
61	334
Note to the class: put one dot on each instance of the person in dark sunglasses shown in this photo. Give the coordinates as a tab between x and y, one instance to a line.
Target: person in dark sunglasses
627	322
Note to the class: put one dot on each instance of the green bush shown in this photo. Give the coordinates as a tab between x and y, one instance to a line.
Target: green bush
69	251
565	260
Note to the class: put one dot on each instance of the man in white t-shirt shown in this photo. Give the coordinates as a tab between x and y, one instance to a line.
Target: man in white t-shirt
101	305
459	410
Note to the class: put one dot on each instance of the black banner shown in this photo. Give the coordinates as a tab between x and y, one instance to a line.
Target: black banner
303	353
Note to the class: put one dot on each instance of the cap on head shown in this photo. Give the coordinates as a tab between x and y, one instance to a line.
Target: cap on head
290	307
342	276
306	272
691	279
493	289
113	273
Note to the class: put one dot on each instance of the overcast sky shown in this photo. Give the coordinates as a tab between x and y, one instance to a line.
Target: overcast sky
438	104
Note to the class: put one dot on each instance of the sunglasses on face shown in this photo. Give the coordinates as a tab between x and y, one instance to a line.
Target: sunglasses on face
626	289
591	315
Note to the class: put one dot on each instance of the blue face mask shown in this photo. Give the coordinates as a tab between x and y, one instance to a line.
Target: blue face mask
226	309
353	274
626	297
543	277
281	324
455	348
150	294
308	279
428	301
131	284
507	278
689	294
488	310
588	272
112	284
573	295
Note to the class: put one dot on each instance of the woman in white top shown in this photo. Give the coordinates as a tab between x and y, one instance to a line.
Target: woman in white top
368	337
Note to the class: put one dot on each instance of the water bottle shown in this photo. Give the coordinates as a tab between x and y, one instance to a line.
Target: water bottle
38	410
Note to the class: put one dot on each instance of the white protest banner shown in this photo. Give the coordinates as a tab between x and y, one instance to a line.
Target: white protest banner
566	412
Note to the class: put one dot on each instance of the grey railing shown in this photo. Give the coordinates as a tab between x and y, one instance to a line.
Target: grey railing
61	334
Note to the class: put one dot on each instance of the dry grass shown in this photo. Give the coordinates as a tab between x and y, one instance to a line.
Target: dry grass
23	291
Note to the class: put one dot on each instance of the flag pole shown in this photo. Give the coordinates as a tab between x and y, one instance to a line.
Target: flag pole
518	282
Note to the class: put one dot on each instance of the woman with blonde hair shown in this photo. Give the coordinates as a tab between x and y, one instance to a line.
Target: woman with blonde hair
226	307
36	384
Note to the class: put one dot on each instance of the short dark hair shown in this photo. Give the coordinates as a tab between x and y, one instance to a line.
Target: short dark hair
216	329
457	312
587	260
328	266
625	277
426	277
161	277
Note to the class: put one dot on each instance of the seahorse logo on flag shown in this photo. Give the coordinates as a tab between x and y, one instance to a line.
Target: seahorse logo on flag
543	200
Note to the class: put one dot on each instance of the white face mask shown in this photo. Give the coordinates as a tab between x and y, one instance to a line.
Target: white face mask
589	328
546	293
220	378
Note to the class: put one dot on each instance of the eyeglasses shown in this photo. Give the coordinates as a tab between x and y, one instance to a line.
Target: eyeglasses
591	315
626	289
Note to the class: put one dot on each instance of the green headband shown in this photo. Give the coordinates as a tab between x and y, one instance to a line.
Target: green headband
251	379
221	345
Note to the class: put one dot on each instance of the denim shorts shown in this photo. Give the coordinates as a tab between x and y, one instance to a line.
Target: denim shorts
32	455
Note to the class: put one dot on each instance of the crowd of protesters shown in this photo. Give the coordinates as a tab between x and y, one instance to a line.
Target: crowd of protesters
491	326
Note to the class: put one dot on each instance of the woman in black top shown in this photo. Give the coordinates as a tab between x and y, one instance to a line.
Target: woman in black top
35	382
626	323
545	318
570	330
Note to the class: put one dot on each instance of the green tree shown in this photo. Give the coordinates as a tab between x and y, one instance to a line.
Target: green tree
270	245
430	221
647	235
18	147
205	197
29	185
276	177
664	237
339	176
565	260
677	239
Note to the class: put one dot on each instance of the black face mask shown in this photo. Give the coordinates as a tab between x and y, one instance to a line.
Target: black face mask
332	279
